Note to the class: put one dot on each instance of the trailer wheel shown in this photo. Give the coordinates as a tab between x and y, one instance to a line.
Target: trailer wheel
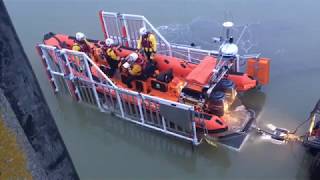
315	168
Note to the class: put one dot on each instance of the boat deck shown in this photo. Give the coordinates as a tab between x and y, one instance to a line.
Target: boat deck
152	92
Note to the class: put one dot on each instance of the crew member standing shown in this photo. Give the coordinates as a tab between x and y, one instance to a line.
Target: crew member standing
147	43
109	54
81	44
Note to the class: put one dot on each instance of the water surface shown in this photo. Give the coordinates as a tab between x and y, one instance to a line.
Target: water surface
105	147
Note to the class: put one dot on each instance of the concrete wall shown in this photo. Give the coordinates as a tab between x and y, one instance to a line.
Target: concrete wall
21	89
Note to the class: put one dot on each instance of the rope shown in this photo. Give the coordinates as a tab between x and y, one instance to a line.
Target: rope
312	114
300	125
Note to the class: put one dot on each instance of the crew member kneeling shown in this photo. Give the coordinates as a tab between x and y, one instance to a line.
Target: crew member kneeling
134	65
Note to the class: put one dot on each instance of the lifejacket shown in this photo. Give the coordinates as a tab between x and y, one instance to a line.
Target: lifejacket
137	67
146	44
82	46
109	53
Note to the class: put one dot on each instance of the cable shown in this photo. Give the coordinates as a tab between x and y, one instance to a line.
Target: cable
312	114
299	126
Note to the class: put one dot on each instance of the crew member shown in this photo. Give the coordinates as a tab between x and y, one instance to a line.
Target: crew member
147	43
109	54
134	65
81	44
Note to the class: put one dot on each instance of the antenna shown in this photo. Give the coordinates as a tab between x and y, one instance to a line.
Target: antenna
228	48
228	25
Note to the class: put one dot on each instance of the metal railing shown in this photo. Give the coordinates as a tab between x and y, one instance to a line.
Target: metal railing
74	73
124	30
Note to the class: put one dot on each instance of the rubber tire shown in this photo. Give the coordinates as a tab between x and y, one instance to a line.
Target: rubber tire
315	168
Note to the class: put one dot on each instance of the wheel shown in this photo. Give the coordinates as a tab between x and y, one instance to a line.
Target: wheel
315	168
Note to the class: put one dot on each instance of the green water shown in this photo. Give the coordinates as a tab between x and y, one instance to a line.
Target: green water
105	147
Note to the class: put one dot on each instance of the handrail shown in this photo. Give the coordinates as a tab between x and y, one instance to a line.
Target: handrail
210	52
91	62
184	106
120	95
170	46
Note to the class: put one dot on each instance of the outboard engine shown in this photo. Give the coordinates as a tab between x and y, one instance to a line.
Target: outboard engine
228	87
215	103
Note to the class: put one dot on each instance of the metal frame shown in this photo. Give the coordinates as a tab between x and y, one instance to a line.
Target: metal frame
49	69
137	113
190	54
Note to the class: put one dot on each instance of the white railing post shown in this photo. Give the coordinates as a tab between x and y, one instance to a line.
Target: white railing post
71	75
189	55
128	38
88	70
119	102
45	57
63	66
140	109
170	50
237	64
164	124
119	29
194	129
195	138
104	24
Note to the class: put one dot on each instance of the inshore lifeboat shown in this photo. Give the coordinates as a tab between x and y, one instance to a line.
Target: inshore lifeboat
189	82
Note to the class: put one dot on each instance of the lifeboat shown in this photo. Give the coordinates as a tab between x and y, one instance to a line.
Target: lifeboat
189	83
